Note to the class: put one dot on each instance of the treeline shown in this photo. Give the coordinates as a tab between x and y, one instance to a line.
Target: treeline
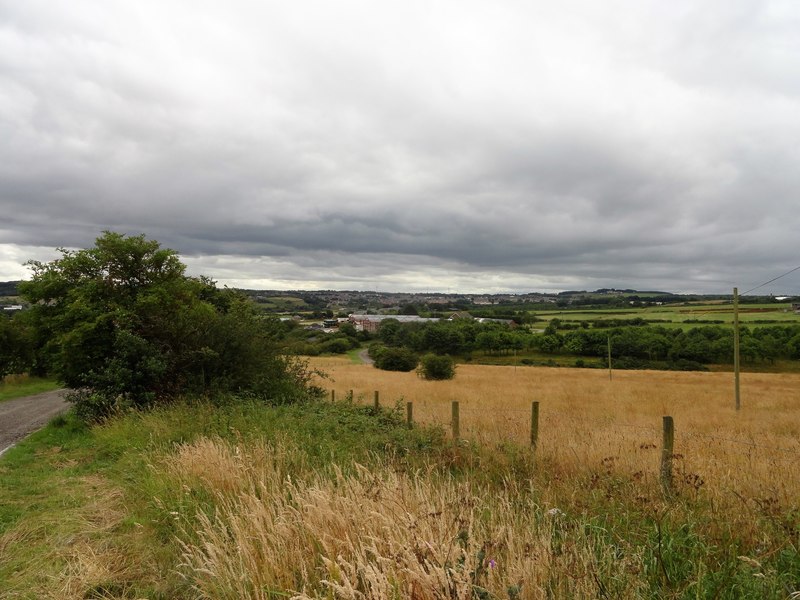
638	346
8	288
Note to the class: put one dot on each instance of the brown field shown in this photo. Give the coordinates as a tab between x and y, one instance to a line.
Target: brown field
385	532
588	423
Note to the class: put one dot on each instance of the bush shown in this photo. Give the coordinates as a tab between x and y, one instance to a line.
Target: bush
396	359
375	349
124	325
15	347
437	366
336	346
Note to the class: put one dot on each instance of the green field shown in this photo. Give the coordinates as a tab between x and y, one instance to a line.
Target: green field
282	304
682	315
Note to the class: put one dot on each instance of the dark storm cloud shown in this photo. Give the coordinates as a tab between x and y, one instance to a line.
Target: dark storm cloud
522	146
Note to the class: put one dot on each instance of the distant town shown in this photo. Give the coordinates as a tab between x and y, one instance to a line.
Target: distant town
342	303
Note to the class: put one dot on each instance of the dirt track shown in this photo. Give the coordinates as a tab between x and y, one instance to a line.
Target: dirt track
21	416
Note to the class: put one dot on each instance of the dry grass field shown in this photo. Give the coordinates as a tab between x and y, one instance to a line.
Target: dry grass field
389	534
588	423
330	501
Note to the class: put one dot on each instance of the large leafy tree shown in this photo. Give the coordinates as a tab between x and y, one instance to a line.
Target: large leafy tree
122	323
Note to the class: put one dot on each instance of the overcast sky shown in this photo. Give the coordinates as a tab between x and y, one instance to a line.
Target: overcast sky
411	146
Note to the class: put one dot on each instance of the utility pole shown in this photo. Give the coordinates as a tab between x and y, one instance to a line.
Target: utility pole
736	347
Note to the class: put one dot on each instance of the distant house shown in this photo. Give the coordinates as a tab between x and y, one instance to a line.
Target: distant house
460	315
12	308
796	307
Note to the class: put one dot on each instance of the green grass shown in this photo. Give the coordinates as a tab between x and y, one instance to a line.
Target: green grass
679	315
17	386
282	304
354	357
68	486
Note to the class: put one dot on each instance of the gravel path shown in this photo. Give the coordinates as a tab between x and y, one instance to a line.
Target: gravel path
364	356
21	416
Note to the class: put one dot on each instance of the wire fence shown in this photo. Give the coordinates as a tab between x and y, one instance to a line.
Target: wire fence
532	418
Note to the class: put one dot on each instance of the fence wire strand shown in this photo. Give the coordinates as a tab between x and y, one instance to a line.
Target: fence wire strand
548	414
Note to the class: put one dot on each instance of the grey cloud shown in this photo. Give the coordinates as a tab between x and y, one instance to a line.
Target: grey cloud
546	145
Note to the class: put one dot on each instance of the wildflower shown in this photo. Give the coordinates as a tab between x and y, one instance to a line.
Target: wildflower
555	512
492	563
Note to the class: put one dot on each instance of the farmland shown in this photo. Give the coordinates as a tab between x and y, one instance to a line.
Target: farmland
682	315
241	500
588	420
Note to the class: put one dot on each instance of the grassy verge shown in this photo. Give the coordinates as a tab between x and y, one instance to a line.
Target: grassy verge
354	357
17	386
339	501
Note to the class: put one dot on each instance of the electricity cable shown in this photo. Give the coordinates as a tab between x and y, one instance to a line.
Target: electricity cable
771	280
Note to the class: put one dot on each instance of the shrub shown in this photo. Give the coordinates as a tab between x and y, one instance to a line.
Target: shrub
375	349
336	346
15	347
124	325
396	359
437	366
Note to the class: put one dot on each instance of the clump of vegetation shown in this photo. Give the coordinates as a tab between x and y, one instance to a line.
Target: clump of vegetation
15	346
313	342
393	359
123	325
436	367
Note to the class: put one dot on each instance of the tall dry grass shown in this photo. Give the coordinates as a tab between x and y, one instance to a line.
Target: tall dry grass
378	534
590	424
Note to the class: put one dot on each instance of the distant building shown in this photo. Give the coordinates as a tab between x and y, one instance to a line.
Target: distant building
12	308
372	322
796	307
460	315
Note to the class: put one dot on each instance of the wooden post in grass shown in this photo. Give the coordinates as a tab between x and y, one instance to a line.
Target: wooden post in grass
666	454
410	414
534	425
736	347
377	401
333	395
454	422
609	357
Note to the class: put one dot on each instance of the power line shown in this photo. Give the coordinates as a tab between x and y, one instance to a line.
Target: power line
797	268
771	280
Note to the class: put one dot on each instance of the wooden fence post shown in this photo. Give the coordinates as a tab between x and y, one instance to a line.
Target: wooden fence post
377	401
454	422
534	424
333	395
410	414
666	454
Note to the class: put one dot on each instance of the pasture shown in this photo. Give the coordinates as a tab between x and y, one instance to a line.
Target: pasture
321	500
682	315
590	425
